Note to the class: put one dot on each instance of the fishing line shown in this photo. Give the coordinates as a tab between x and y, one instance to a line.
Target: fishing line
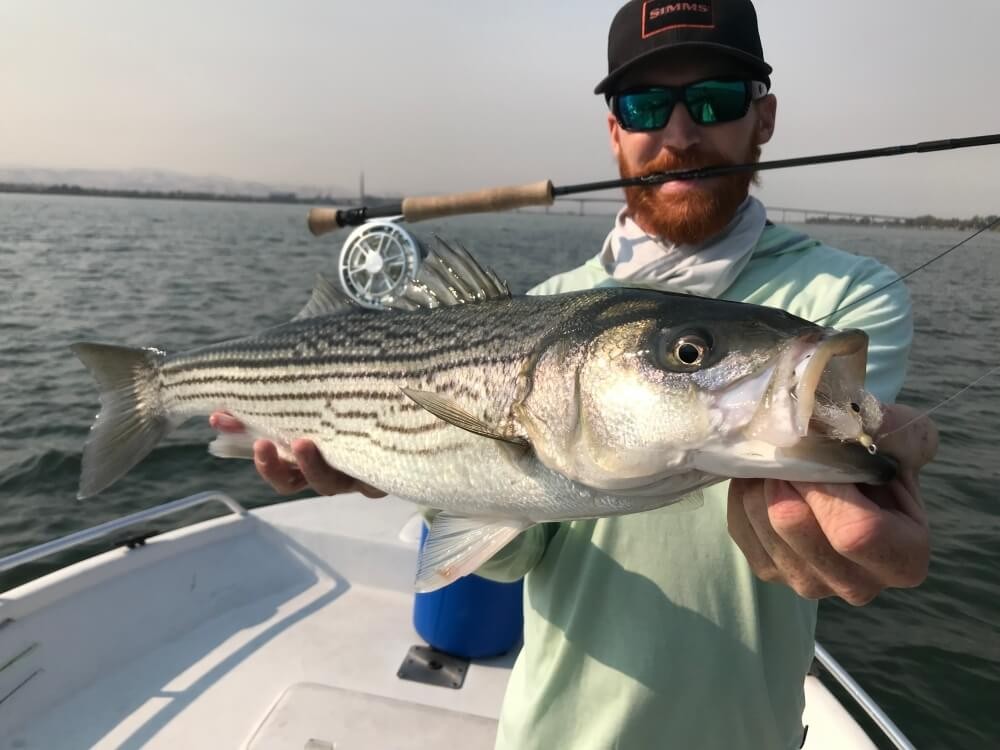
933	409
921	267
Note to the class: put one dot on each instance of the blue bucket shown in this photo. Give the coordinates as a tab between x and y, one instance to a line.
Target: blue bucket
473	618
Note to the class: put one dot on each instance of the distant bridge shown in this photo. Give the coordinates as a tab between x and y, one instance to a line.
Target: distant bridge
578	206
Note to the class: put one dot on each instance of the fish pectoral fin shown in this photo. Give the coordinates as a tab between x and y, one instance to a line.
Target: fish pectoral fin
457	546
450	412
326	299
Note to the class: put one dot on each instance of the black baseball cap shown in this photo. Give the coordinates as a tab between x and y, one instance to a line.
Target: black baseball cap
644	29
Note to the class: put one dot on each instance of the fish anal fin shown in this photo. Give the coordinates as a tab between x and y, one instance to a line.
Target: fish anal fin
450	412
240	445
232	445
457	546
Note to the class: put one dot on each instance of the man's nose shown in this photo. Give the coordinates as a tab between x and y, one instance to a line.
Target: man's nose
681	132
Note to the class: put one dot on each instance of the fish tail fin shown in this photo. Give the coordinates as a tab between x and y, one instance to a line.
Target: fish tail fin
132	419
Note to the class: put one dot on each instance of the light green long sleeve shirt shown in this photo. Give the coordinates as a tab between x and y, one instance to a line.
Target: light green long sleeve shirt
650	630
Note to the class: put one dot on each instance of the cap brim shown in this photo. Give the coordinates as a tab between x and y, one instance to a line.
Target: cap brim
755	64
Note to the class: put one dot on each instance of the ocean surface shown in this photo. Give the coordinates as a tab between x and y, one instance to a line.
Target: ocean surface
177	274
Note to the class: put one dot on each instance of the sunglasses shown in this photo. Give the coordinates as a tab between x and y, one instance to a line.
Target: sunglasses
710	102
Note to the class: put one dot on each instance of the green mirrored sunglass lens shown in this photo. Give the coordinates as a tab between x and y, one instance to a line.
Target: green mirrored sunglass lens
717	101
645	110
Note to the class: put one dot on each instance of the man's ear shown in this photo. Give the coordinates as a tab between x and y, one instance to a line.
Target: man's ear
615	132
767	112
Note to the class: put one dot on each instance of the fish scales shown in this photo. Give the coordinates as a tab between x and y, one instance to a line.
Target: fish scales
320	378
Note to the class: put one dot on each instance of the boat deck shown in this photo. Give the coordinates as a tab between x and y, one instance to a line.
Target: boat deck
214	626
280	629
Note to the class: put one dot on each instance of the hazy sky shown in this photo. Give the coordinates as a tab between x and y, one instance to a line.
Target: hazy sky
444	95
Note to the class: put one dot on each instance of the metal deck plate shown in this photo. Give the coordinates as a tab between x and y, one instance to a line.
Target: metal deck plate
431	667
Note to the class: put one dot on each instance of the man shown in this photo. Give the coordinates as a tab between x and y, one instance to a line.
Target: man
652	630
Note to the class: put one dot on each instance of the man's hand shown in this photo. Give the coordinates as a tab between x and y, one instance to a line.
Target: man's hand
842	540
309	468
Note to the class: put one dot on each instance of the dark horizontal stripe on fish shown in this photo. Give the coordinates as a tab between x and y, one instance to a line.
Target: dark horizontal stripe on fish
288	360
393	448
327	396
345	433
353	414
381	425
283	414
302	377
419	429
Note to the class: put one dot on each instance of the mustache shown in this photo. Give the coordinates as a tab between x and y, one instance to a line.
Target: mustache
671	162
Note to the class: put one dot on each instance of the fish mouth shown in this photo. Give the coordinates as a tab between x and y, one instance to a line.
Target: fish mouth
805	417
817	386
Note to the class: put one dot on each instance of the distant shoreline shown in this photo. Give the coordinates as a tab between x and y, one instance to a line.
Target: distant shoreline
926	221
183	195
917	222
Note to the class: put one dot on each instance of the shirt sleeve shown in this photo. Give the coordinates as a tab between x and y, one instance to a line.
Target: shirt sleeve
879	304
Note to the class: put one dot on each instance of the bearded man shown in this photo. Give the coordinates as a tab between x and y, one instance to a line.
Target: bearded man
673	629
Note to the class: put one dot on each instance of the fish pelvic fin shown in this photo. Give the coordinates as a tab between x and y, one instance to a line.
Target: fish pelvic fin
456	546
132	419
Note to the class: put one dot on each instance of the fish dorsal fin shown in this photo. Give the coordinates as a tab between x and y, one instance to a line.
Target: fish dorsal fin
449	275
326	299
456	546
452	413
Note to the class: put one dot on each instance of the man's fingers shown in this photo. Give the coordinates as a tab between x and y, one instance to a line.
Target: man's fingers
281	475
792	568
907	435
324	478
368	491
793	520
224	422
890	545
321	476
743	535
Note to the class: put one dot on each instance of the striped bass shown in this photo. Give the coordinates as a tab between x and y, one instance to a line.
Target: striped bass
503	412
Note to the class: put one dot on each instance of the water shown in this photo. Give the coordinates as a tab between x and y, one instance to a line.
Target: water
176	275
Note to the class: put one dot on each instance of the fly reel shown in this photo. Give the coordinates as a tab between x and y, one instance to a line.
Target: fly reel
377	260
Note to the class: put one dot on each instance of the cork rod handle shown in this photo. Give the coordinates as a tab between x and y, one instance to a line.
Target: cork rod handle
323	220
480	201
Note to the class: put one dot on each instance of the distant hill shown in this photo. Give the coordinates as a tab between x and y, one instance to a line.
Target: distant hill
161	181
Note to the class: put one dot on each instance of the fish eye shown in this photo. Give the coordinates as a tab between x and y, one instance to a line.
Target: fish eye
690	351
687	352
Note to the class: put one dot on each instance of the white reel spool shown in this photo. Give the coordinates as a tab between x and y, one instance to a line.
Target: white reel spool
377	260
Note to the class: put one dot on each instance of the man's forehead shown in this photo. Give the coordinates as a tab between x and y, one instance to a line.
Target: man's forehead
681	66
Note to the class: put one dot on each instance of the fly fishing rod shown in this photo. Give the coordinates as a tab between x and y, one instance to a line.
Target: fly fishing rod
544	193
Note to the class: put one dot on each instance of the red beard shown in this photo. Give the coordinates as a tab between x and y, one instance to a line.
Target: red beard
696	215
